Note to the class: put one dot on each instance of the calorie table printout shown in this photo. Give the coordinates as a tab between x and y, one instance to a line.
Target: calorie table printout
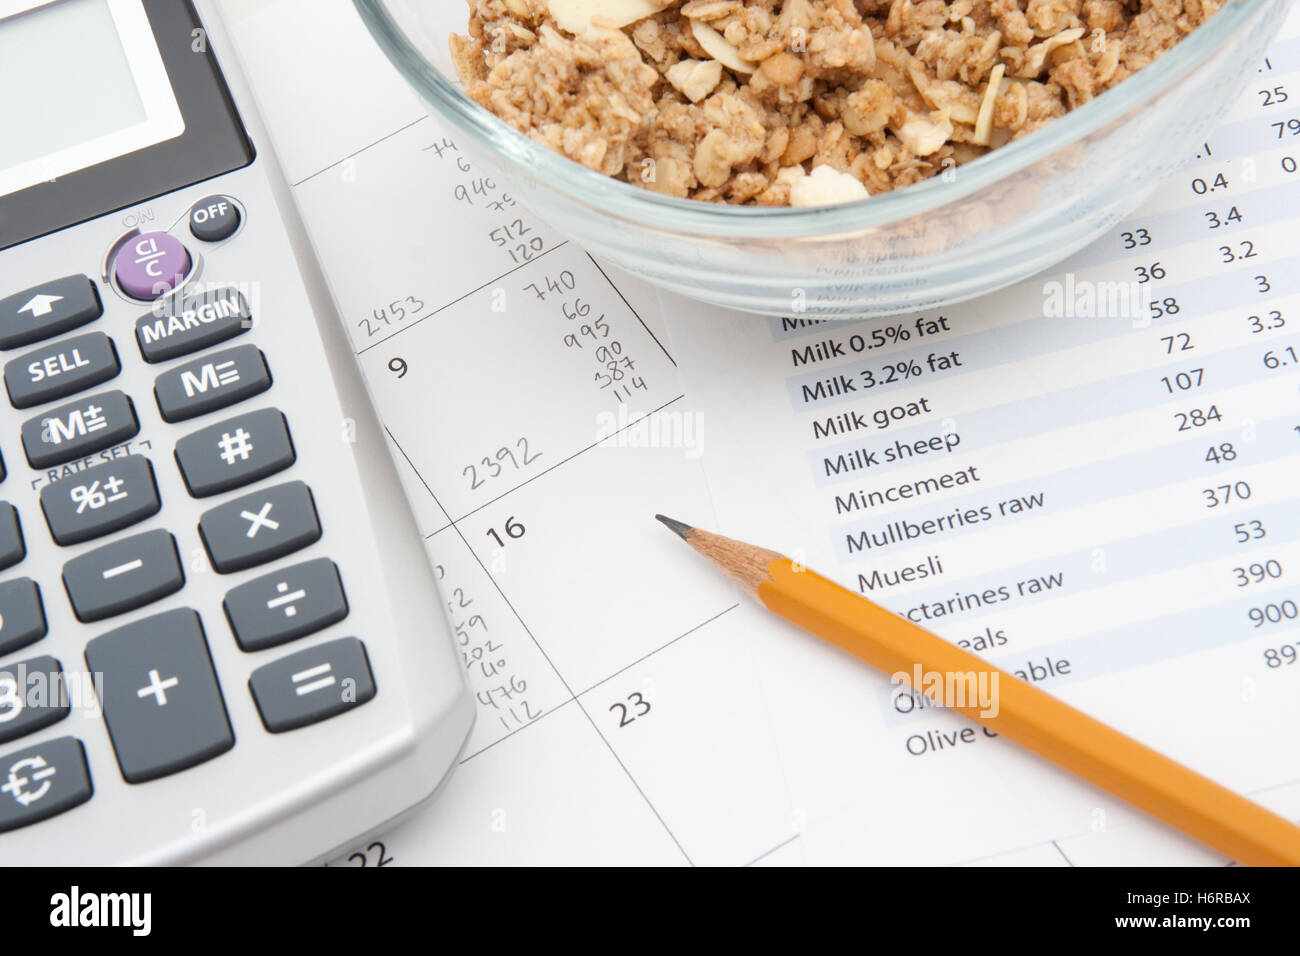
632	709
1103	499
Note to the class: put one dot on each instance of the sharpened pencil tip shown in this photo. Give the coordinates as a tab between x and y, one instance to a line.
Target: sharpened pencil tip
676	527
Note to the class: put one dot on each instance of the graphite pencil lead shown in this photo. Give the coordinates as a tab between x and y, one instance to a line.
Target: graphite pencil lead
676	527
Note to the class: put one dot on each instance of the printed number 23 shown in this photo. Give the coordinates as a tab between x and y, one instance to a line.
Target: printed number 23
634	701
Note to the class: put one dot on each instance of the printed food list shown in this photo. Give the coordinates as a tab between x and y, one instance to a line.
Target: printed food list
1088	477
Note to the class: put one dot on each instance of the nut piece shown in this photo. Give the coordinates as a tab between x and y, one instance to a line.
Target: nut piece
574	16
923	135
824	186
695	79
716	46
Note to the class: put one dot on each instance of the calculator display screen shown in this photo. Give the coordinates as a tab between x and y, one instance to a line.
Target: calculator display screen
81	82
104	105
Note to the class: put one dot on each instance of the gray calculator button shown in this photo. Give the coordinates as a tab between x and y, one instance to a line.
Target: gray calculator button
312	685
32	697
124	575
213	218
260	527
12	547
161	699
79	428
42	781
235	452
22	615
195	323
48	309
211	382
100	500
61	369
286	604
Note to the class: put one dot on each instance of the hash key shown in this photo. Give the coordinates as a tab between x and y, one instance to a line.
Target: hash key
235	452
100	500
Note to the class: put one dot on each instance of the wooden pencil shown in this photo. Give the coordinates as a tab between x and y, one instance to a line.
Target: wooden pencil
1235	826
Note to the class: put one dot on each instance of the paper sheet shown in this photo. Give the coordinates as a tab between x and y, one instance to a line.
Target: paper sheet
1092	479
632	709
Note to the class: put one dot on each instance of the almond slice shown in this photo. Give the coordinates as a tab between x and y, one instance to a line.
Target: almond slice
574	16
716	45
984	124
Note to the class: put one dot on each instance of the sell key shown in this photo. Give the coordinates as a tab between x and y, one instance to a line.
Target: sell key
61	369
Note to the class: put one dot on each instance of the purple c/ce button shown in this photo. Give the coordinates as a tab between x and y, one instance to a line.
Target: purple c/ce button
150	265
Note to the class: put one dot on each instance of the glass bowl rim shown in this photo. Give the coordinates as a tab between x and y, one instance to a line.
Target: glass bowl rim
717	220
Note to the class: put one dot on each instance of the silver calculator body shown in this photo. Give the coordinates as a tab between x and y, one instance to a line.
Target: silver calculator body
277	585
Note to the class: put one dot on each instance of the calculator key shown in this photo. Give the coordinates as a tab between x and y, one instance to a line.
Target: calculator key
286	604
61	369
32	697
196	323
150	265
42	781
79	428
22	615
124	575
100	500
235	452
260	527
12	547
311	685
161	699
212	382
46	310
213	218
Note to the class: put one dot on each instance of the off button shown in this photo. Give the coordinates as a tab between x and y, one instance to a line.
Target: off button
214	218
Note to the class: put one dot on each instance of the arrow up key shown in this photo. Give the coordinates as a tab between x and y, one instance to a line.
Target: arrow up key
48	309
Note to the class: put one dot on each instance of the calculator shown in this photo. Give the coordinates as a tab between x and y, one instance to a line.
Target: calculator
220	637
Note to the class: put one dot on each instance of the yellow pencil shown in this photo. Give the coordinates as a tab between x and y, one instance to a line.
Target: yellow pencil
1242	830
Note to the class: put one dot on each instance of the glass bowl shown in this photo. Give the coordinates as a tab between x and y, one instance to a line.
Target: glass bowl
979	227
